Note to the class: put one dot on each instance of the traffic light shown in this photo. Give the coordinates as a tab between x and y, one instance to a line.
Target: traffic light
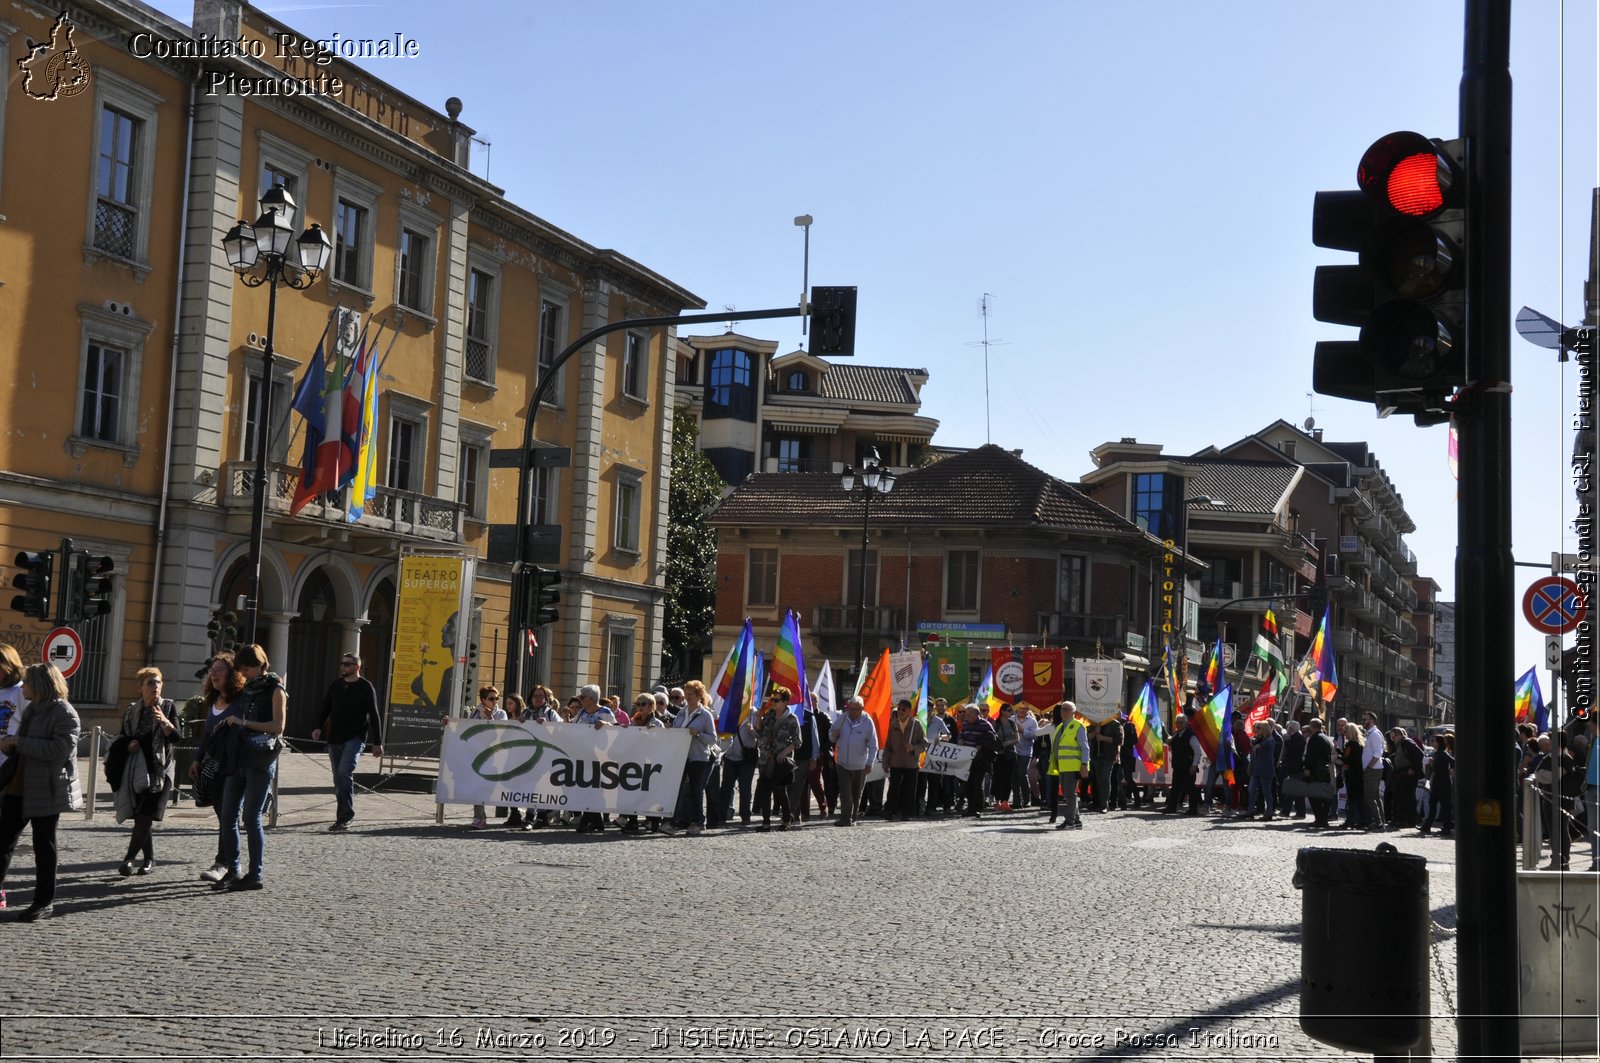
34	581
537	592
1407	292
833	322
91	587
223	630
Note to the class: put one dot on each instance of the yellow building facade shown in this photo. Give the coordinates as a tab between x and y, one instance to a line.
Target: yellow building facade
135	355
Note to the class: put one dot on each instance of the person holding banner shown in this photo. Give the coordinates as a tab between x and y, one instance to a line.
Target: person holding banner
593	711
696	719
855	738
933	790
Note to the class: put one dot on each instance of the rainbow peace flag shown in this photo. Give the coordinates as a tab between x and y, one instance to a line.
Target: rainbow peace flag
788	666
730	692
920	700
1212	726
1530	702
1215	679
1319	673
1152	744
987	703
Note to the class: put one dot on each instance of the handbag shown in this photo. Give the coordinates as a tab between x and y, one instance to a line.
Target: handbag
206	778
1296	786
782	772
257	750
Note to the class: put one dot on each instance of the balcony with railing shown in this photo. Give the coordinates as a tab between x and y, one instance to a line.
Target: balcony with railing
1084	627
881	621
1355	551
1404	559
1398	664
1355	644
391	511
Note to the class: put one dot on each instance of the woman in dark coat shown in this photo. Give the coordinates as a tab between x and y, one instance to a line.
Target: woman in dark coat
264	710
1353	795
1441	785
150	725
44	782
221	695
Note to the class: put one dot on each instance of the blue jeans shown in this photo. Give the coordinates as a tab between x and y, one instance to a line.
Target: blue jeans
245	791
1261	792
344	756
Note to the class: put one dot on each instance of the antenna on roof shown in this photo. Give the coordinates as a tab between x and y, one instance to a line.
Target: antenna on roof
986	343
1311	422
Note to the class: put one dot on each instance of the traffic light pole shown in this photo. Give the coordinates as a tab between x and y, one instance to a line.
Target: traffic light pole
1486	927
516	661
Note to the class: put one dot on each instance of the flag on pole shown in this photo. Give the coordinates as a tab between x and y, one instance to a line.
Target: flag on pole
1146	718
987	703
1319	673
920	700
789	665
327	469
1174	682
1530	702
1213	727
1261	708
1269	649
726	686
1216	678
877	695
352	391
823	698
308	404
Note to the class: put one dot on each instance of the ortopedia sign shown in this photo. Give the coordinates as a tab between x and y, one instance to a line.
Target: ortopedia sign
64	649
564	766
1554	605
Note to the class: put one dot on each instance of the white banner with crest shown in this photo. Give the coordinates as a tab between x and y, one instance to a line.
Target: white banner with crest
1099	688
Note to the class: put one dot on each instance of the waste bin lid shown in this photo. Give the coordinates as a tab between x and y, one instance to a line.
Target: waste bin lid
1383	872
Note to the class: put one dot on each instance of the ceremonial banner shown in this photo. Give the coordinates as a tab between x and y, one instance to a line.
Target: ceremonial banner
1044	678
949	673
1007	664
1099	688
949	758
567	767
904	670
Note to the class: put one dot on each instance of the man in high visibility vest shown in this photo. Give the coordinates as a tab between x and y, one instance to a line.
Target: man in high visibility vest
1069	761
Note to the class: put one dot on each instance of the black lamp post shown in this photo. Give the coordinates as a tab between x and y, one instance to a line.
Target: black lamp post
260	254
876	479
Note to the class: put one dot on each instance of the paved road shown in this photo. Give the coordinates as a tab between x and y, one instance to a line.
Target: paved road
1000	939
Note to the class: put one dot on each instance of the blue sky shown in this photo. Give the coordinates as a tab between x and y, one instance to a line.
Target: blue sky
1131	182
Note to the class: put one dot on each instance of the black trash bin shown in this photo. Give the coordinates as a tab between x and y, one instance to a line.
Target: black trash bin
1364	948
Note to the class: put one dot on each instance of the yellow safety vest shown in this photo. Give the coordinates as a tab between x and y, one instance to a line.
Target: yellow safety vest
1065	756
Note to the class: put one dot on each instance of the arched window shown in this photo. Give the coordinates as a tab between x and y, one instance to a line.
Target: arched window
799	381
728	389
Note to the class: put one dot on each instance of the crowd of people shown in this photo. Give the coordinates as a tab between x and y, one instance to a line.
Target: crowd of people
786	768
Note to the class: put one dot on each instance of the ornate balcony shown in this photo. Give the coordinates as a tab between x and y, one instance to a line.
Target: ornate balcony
1084	627
882	621
391	512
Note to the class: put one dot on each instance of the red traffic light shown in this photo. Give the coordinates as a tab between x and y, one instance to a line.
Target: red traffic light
1407	173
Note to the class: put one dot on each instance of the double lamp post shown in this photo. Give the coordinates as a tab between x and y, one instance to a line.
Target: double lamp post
876	479
260	254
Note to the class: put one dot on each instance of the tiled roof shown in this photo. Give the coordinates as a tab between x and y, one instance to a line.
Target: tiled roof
1242	486
988	486
870	383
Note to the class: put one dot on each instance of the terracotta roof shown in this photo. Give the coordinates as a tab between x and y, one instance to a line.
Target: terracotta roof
988	487
870	383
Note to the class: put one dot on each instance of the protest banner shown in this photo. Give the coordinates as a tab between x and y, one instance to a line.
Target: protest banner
948	758
565	767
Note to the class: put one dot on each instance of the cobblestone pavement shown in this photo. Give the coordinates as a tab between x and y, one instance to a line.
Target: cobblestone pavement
407	940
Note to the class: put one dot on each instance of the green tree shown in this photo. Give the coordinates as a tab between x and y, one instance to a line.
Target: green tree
694	488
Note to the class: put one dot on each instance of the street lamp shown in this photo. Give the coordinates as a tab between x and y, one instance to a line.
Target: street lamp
876	479
260	254
1389	641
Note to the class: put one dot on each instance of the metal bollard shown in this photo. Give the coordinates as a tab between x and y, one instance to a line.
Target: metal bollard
1532	827
94	773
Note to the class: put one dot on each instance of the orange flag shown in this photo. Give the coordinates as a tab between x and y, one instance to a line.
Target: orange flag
877	696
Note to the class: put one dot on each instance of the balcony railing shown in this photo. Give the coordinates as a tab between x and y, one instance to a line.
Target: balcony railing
1354	644
1107	628
393	511
881	620
1354	551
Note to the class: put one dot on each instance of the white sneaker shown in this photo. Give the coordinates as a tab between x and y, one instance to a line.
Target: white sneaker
695	828
214	873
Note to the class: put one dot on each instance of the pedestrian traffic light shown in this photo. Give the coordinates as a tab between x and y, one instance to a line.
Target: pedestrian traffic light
833	322
91	587
536	593
1407	292
223	629
34	581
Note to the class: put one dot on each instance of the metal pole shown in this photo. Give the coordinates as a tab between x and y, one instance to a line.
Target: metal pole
258	495
1486	946
861	582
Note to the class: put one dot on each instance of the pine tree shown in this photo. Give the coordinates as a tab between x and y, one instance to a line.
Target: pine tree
693	490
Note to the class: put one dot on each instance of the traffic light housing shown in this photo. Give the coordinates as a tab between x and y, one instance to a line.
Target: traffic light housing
1407	292
91	587
833	322
223	630
537	592
34	581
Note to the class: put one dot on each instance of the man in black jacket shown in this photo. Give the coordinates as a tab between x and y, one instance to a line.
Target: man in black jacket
1181	751
350	721
1319	768
1290	766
